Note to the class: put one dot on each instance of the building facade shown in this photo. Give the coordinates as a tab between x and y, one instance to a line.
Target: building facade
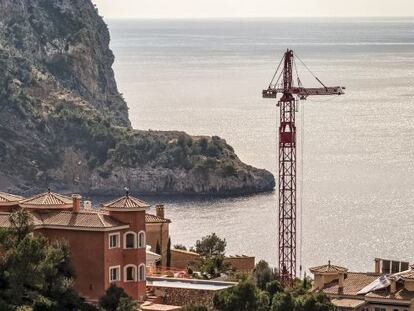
108	244
157	229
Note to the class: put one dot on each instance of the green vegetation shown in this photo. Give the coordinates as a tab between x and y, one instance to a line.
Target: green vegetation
168	258
211	263
110	145
115	299
194	308
158	251
263	292
35	275
180	247
243	297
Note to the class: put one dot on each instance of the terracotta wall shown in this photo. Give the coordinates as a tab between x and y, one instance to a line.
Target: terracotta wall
123	257
87	253
158	232
241	263
180	259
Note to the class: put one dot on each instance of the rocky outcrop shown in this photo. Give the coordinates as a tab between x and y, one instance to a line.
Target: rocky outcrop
64	124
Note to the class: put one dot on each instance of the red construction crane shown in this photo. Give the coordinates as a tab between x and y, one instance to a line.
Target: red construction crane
287	156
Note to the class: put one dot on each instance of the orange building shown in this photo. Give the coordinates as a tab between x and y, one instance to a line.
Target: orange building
108	245
157	230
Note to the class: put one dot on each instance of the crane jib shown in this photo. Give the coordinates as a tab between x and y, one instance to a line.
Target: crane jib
301	91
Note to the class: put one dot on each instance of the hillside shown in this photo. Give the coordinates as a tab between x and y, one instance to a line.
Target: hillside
65	125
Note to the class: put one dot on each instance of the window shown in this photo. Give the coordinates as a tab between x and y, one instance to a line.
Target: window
114	240
130	240
114	274
141	272
141	239
130	273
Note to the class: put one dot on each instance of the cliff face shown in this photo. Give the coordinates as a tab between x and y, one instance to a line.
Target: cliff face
64	124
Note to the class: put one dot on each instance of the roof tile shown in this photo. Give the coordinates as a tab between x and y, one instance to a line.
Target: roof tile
47	200
126	202
149	218
353	283
7	198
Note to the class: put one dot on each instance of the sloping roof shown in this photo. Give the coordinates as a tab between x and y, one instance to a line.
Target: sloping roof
68	219
79	220
353	283
8	198
47	200
401	294
126	202
5	220
149	218
328	269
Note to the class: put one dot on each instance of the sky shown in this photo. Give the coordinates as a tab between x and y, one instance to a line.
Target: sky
252	8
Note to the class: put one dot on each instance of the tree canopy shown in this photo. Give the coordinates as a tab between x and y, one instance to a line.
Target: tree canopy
263	292
116	299
34	274
211	262
211	245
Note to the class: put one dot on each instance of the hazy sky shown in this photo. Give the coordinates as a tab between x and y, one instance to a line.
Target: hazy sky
252	8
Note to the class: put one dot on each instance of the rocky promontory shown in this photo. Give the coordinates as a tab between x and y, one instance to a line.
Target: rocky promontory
63	123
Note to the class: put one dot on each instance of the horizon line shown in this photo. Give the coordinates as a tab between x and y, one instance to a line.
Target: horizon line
252	17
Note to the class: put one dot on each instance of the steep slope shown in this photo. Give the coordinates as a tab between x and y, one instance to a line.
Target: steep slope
64	124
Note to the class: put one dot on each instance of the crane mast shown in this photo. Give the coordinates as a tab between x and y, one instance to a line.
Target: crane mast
287	240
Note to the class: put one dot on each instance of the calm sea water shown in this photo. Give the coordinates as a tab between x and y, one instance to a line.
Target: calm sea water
206	77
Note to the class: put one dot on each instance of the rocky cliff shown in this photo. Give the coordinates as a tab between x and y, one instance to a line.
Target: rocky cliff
64	124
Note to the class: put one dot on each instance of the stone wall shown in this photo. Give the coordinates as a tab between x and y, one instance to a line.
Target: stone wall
184	296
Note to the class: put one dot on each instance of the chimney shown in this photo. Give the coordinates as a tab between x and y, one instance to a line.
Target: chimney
87	205
76	203
393	286
341	280
377	265
159	210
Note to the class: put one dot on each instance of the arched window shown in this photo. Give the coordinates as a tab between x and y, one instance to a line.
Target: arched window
141	239
130	240
130	273
141	272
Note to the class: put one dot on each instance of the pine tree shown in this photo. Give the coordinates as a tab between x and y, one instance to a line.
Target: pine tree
158	251
168	259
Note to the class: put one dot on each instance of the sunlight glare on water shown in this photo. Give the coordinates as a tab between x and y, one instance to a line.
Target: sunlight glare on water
206	77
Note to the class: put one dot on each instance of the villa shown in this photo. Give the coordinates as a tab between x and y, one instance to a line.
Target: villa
389	288
112	243
108	244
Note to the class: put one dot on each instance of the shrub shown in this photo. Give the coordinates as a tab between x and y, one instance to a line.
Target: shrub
112	298
194	308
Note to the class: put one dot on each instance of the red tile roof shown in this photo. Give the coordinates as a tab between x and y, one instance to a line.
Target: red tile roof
67	219
47	200
8	198
401	294
149	218
79	220
353	283
126	202
328	269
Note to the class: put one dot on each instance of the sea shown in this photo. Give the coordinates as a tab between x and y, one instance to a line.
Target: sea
356	162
